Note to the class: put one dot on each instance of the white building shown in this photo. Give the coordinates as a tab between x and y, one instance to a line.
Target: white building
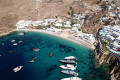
74	29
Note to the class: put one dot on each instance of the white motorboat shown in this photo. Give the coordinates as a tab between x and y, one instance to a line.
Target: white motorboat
20	41
36	49
72	78
21	33
32	60
16	69
68	66
68	61
12	40
2	43
15	44
70	57
69	72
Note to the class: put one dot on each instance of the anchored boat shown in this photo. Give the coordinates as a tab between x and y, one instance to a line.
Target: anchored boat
36	49
68	66
15	44
51	54
70	72
16	69
68	61
70	57
12	40
72	78
32	60
21	33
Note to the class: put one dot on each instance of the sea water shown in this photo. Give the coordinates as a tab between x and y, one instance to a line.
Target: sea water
45	67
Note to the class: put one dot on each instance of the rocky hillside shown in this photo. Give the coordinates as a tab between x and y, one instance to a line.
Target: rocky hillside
12	11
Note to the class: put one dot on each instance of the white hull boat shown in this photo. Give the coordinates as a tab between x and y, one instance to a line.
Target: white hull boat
72	78
16	69
69	72
68	66
70	57
12	40
68	61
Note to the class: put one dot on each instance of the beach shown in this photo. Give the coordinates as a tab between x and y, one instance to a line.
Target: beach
62	34
65	35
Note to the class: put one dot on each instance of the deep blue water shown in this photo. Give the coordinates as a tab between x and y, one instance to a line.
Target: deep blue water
45	67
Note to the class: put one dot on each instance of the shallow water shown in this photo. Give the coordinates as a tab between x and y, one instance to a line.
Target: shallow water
45	67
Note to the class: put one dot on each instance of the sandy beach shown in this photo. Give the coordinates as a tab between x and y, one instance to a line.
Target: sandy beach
64	35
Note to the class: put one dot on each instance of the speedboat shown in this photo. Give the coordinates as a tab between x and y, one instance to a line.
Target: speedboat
32	60
15	44
68	66
2	43
70	57
68	61
20	41
12	51
12	40
51	54
69	72
36	49
21	33
16	69
72	78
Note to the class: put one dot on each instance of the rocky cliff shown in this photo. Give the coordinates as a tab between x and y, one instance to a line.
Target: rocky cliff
111	60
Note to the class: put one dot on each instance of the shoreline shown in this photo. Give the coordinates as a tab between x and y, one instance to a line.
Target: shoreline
70	38
7	33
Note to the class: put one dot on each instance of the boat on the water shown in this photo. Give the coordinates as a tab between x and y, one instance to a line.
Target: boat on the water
69	72
32	60
72	78
12	51
16	69
68	66
2	43
15	44
21	33
68	61
20	41
51	54
70	57
12	40
36	49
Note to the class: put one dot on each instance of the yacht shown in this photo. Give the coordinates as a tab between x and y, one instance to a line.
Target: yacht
20	41
68	61
12	40
16	69
69	72
12	51
32	60
2	43
36	49
72	78
68	66
15	44
21	33
70	57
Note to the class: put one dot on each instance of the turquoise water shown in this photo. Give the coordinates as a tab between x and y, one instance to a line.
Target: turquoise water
45	67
